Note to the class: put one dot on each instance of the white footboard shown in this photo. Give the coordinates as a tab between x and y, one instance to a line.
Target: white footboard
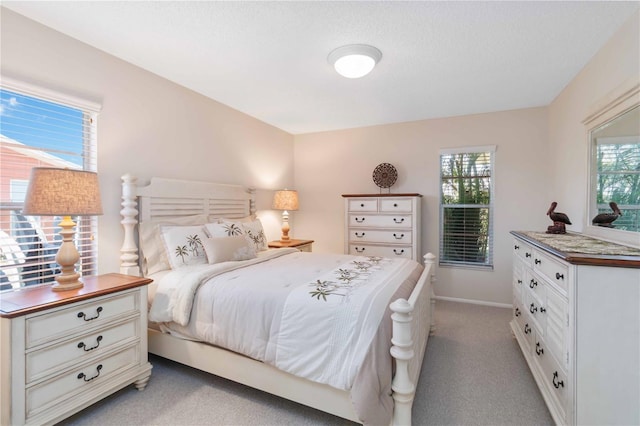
412	324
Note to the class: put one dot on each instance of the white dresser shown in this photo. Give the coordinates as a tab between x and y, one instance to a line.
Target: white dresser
577	319
62	351
386	225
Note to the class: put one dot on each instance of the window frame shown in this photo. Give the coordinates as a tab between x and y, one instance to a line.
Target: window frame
86	226
488	264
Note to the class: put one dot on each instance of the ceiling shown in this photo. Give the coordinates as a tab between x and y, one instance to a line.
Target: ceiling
269	59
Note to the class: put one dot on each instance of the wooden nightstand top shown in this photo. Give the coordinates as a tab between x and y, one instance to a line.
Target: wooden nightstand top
290	243
29	300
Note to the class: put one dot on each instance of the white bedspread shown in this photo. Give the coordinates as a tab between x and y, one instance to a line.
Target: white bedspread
312	315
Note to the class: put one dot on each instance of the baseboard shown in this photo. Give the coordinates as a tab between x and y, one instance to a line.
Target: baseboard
475	302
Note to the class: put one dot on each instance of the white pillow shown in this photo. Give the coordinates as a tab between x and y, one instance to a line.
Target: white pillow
183	245
223	249
255	233
227	229
217	219
154	257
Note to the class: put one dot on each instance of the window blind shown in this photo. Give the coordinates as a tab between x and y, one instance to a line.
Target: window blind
41	128
466	207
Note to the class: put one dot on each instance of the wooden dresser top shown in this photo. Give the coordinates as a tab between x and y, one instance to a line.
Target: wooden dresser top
579	249
28	300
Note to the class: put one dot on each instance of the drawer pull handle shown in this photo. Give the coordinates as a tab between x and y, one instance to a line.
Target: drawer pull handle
518	313
360	250
557	383
519	281
533	283
516	247
361	204
81	345
83	376
527	329
360	220
542	310
533	308
537	261
84	316
398	238
398	221
539	350
559	276
527	255
395	205
400	253
360	235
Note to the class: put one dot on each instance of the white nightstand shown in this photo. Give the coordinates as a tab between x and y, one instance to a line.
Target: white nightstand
63	351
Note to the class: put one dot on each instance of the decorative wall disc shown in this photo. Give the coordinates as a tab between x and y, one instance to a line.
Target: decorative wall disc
385	175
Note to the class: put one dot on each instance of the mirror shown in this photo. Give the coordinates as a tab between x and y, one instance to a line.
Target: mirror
614	173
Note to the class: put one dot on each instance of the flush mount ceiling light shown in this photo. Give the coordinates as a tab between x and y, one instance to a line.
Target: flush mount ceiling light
354	60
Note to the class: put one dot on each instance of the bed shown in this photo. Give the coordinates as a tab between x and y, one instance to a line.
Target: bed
397	345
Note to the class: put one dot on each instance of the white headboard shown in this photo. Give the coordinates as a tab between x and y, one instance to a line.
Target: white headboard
172	198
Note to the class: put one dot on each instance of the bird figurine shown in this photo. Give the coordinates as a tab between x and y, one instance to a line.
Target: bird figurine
607	219
559	220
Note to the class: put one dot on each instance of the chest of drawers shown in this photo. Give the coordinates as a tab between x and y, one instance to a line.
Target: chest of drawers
386	225
62	351
576	318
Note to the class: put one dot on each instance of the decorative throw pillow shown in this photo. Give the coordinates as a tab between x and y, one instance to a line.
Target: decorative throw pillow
183	245
154	257
226	229
223	249
255	233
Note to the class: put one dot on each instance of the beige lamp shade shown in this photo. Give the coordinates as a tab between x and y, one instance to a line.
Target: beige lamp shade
66	193
62	192
285	199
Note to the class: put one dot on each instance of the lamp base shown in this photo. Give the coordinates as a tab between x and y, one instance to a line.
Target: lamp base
67	258
58	286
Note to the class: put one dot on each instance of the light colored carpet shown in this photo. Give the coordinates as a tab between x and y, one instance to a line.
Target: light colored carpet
473	374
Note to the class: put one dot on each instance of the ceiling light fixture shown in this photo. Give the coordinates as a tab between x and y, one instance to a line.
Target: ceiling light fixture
354	60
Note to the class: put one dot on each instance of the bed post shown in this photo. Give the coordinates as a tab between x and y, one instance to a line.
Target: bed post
402	352
129	250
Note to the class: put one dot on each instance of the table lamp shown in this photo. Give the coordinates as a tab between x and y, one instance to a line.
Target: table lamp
66	193
285	200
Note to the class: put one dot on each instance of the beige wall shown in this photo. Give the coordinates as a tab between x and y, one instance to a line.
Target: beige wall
541	157
329	164
148	126
616	63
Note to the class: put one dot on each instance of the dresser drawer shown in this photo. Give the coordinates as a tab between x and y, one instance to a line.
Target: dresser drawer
557	325
382	251
372	235
523	251
363	205
63	322
47	361
554	270
536	310
381	221
391	205
555	380
80	380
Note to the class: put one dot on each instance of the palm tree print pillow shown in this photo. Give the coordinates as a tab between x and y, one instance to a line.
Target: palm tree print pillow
183	245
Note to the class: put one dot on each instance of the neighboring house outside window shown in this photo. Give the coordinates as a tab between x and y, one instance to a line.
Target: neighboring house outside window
41	128
466	206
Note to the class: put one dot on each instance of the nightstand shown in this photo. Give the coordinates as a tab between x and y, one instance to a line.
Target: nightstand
63	351
302	245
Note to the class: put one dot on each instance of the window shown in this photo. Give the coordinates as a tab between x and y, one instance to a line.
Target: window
40	128
466	207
